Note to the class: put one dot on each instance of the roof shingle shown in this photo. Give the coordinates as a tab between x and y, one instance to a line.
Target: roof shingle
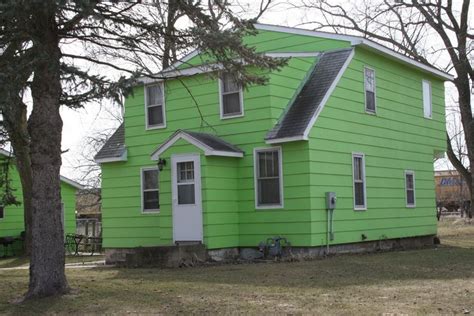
115	145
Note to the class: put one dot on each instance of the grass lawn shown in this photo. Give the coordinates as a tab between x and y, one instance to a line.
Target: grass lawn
430	281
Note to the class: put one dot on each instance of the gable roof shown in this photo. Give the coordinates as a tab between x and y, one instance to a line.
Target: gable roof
64	179
210	144
354	40
114	148
296	122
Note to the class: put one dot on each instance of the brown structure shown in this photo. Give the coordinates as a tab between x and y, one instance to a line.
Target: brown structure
88	212
452	192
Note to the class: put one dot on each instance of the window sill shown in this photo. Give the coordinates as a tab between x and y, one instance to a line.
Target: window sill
371	112
360	209
410	206
269	207
231	116
147	212
161	126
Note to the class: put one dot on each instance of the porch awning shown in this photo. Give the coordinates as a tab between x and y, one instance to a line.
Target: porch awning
212	145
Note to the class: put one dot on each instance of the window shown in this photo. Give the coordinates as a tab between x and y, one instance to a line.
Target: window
369	83
2	212
185	183
427	104
155	106
358	169
268	178
150	190
230	97
410	188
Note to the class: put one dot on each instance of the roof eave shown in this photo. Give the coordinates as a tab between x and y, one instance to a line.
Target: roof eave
122	157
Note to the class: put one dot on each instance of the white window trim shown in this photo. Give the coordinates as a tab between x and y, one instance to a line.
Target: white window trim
375	92
158	126
359	208
152	211
255	171
406	189
221	101
423	98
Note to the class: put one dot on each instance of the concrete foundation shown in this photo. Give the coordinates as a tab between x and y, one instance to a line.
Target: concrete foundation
190	255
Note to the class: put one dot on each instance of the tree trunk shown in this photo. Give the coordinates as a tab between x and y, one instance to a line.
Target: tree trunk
47	274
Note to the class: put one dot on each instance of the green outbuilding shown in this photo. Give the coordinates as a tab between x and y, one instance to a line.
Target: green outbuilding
336	150
12	216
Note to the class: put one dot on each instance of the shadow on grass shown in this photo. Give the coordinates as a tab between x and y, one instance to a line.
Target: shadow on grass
11	262
443	263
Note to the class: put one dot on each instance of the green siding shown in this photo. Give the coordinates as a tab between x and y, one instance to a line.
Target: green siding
395	139
12	224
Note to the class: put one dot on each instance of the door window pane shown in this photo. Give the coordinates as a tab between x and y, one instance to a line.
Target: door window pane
186	194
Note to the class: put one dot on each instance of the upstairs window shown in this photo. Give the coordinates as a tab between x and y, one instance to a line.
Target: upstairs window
155	106
369	83
231	102
358	169
427	104
410	188
150	190
268	178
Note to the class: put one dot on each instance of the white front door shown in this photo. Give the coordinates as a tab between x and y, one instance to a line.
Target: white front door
186	195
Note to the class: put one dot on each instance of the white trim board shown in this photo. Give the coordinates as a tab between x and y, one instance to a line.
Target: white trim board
208	151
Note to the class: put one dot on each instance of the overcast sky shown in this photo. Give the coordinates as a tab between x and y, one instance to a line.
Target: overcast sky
98	117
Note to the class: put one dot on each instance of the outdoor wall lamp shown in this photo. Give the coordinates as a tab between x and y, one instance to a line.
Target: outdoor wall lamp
161	163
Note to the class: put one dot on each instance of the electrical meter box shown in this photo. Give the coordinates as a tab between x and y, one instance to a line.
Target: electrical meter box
331	200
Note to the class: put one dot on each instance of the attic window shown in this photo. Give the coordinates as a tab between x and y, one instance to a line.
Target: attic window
231	102
155	106
427	103
369	83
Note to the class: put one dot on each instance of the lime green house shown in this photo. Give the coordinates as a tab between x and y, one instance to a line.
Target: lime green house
336	150
12	216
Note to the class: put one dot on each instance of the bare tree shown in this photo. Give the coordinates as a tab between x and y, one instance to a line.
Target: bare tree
59	51
432	32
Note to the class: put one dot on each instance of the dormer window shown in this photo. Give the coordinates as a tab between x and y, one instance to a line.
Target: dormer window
231	97
155	106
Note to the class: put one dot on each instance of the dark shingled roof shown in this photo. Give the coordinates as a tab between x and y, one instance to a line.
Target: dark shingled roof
214	142
300	112
115	145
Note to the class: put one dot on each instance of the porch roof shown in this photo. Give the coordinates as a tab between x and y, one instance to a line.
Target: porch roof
212	145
